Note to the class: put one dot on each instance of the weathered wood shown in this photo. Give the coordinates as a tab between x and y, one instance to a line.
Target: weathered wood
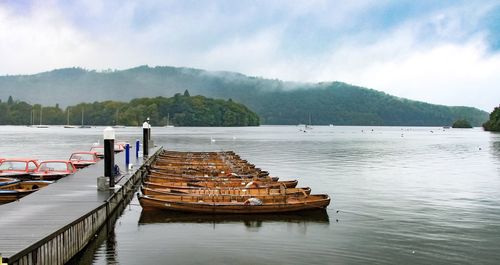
234	204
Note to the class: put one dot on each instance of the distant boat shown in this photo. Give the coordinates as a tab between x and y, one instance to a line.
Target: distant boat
331	125
41	118
32	124
117	126
309	126
67	122
305	127
84	126
168	121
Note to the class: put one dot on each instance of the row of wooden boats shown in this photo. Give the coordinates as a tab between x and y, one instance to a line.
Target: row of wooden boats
221	182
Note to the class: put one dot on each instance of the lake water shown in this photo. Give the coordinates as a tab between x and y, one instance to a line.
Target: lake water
403	196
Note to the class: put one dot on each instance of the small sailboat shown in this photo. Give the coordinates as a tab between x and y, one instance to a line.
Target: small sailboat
84	126
168	121
117	126
309	126
67	122
32	124
41	118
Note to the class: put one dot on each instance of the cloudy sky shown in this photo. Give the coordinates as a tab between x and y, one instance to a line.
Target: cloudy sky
444	52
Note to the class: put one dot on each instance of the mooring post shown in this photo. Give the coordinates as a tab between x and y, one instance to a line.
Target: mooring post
137	146
127	155
145	139
109	155
149	126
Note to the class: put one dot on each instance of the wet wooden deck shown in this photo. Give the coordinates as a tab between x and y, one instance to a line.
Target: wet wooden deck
27	224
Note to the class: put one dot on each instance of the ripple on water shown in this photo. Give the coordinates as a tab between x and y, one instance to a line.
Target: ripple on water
424	198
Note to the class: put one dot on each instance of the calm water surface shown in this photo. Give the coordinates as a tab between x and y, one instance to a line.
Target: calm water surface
403	196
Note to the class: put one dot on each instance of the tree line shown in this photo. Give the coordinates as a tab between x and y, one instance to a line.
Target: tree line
275	101
179	110
493	124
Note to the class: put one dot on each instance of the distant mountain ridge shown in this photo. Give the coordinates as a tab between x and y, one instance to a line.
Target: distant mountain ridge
275	101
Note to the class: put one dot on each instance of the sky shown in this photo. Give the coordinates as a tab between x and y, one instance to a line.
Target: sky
442	52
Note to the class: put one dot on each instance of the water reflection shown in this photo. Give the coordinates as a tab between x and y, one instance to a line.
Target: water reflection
425	198
111	248
104	243
495	145
254	221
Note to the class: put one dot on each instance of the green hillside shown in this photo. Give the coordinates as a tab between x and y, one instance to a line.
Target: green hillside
275	101
493	124
180	110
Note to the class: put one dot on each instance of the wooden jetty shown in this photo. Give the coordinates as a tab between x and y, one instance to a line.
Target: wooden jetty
56	223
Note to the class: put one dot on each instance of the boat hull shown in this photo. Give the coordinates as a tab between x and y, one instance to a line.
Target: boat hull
16	191
17	175
152	189
80	165
151	203
213	184
48	176
8	181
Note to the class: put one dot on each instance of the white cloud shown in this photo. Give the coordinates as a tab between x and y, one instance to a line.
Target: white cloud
38	41
446	74
397	61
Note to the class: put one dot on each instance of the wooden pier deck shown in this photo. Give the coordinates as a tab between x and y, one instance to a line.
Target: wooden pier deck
55	223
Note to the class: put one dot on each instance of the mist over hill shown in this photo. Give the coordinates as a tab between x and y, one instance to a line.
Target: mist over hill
275	101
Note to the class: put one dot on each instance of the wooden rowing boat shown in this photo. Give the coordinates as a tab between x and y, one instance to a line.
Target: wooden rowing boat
228	183
8	181
234	204
206	170
209	177
207	192
158	190
213	162
219	189
16	191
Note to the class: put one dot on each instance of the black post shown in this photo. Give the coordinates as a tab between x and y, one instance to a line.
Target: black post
145	139
109	155
149	132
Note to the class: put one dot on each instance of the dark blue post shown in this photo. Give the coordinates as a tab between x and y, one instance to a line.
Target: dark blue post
137	143
127	155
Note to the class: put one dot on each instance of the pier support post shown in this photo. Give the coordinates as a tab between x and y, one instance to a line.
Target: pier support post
145	139
109	155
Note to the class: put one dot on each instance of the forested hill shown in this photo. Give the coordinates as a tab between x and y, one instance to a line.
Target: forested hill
179	110
275	101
